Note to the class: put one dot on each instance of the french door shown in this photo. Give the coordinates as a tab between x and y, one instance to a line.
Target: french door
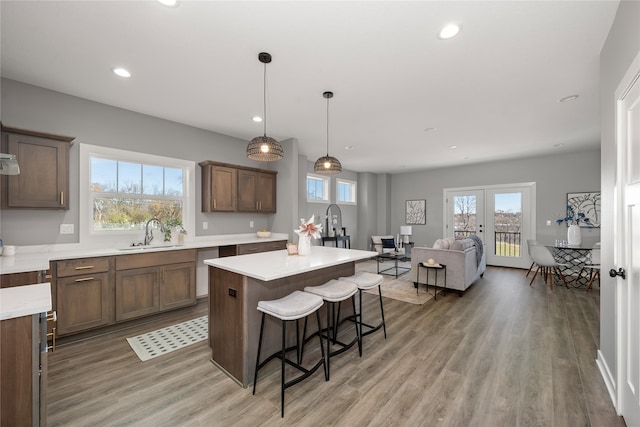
502	216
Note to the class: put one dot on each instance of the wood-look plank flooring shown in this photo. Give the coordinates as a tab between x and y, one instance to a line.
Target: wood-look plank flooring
504	354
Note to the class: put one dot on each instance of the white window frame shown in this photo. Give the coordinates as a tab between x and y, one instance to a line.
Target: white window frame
119	238
326	188
354	191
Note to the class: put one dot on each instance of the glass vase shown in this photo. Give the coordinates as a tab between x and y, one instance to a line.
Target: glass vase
304	245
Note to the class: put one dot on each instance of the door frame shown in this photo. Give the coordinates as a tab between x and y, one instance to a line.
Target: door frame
529	229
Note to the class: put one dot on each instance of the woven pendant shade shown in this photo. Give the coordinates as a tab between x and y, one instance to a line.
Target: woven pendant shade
327	164
264	148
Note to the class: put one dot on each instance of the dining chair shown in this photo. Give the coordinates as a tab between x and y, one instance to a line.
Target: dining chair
594	267
545	261
530	242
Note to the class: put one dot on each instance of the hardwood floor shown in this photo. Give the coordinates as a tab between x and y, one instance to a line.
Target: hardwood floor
504	354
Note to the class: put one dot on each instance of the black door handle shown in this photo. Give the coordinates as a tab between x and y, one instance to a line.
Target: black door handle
620	272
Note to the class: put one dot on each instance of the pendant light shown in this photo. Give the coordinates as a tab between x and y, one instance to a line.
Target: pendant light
264	148
327	164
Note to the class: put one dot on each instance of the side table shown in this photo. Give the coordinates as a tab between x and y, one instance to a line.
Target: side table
435	268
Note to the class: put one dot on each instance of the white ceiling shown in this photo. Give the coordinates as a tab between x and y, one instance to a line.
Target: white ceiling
492	91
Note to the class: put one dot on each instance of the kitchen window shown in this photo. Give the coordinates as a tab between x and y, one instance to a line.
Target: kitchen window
125	189
346	192
317	188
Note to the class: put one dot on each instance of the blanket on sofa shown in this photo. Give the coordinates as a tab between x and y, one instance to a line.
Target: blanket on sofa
479	248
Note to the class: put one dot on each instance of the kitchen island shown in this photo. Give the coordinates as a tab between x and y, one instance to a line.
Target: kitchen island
236	284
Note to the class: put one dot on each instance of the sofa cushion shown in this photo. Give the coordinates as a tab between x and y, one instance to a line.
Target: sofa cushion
461	245
388	243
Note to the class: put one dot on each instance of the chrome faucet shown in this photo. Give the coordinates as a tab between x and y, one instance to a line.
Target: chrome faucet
148	234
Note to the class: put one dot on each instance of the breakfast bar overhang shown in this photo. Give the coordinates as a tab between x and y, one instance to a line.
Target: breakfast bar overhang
236	284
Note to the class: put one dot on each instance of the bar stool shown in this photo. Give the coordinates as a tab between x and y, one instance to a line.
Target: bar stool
365	281
295	306
335	291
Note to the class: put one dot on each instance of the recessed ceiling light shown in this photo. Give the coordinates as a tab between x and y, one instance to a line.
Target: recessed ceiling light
122	72
453	146
450	30
349	147
257	119
168	3
430	129
560	144
568	98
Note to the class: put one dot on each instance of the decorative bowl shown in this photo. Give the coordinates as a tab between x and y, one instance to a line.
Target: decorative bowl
263	234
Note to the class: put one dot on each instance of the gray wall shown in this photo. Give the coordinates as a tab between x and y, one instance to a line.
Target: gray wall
30	107
555	176
621	47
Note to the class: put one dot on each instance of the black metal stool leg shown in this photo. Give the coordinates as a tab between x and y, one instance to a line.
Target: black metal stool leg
284	346
255	374
384	325
358	330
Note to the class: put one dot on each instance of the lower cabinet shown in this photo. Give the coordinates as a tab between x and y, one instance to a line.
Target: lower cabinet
101	291
154	282
84	302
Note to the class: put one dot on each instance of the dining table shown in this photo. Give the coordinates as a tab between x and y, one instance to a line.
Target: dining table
572	259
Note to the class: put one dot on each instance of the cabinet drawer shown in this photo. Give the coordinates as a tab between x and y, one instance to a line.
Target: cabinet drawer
151	259
252	248
73	267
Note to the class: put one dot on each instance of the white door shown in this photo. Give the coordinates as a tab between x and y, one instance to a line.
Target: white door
508	225
503	216
627	236
465	213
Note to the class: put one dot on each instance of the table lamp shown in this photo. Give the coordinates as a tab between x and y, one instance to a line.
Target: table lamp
405	232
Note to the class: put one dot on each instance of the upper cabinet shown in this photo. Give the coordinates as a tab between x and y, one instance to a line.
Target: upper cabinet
219	187
256	191
231	188
43	182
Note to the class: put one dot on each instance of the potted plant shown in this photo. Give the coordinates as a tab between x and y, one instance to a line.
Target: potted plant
174	224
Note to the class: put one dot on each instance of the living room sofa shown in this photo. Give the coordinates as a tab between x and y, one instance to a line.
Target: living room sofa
460	258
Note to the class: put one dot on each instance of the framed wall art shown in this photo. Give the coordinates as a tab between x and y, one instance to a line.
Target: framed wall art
416	212
583	209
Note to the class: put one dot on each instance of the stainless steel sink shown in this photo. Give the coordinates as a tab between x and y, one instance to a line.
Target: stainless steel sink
147	248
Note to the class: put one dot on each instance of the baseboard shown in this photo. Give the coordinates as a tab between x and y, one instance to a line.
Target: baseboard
609	380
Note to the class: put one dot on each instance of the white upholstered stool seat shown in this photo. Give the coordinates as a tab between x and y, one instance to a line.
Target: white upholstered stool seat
334	290
294	306
364	280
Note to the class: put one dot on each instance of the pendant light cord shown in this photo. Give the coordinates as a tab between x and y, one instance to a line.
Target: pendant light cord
327	127
264	97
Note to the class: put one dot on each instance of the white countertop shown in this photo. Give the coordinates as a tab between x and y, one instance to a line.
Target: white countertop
278	264
37	259
25	300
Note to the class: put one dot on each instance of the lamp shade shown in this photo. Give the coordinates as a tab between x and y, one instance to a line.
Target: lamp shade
405	230
8	164
264	149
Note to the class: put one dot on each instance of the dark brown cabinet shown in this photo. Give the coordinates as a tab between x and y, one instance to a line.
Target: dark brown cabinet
230	188
219	187
154	282
256	191
84	294
43	182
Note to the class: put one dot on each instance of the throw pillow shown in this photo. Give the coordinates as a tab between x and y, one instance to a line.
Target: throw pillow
437	244
388	243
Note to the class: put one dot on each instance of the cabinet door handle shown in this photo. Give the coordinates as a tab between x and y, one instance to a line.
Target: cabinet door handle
85	267
84	279
214	203
62	197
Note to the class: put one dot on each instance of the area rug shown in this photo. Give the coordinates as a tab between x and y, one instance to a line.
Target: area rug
401	289
162	341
